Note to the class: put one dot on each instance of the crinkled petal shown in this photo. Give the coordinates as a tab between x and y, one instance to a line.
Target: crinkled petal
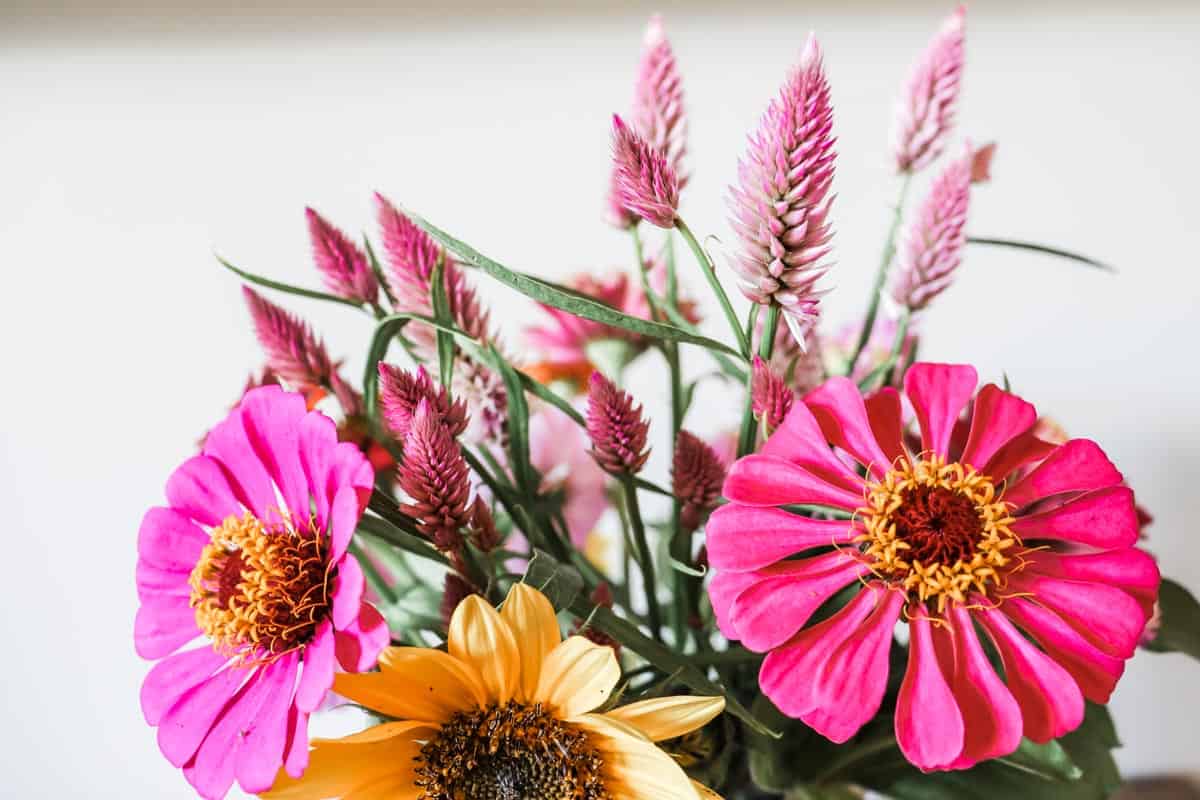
838	408
198	487
743	538
998	418
1105	518
929	724
938	393
1076	466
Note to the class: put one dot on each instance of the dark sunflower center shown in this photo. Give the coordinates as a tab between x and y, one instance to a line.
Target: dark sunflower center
510	752
939	525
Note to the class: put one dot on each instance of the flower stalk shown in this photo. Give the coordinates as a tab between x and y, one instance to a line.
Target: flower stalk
710	275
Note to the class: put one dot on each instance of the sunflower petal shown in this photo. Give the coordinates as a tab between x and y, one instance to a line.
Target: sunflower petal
705	792
337	767
415	683
535	626
482	639
664	718
635	768
577	677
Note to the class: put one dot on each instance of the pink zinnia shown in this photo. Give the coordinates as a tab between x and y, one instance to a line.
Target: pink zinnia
781	203
933	243
644	182
342	263
946	540
925	115
250	558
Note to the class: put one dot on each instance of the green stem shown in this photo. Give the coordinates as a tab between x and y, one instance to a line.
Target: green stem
898	344
766	346
710	274
640	265
374	577
654	614
686	586
889	252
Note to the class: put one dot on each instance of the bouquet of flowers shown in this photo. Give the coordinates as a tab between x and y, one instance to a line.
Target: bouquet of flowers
885	579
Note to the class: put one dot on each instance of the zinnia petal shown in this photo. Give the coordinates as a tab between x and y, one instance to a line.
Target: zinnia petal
1105	518
998	418
929	725
991	715
1077	466
938	393
841	412
761	480
743	538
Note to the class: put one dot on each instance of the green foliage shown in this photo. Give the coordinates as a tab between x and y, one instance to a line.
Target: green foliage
1180	631
286	287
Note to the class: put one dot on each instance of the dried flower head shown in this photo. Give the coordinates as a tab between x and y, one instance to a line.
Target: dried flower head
696	477
343	265
644	181
933	242
770	397
435	477
780	206
925	115
616	426
293	351
401	392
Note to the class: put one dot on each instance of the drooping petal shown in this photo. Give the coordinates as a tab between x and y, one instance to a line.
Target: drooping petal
1109	618
1094	671
198	487
577	677
841	412
761	480
1105	518
533	622
938	393
743	538
929	724
799	439
998	418
991	715
662	718
1077	466
481	638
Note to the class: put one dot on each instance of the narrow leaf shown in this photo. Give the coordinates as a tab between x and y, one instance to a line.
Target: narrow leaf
441	313
1041	248
285	287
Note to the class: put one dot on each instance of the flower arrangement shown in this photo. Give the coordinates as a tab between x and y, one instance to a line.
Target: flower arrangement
883	578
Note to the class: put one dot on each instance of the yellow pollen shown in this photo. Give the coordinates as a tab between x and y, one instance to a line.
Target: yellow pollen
938	530
260	590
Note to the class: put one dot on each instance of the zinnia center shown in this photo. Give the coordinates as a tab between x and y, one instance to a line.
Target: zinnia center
510	752
260	591
938	530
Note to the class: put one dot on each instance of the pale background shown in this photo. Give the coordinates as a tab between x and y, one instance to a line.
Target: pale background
135	142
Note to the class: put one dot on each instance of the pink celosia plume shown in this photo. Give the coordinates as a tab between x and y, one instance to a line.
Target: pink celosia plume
770	397
616	426
925	114
780	207
644	181
658	112
292	349
401	393
933	242
696	477
343	265
436	480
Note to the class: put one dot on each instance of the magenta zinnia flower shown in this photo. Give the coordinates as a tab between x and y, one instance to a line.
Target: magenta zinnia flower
342	263
781	203
250	558
933	243
644	182
925	115
945	539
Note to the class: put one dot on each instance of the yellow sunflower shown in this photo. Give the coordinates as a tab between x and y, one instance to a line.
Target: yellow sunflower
508	712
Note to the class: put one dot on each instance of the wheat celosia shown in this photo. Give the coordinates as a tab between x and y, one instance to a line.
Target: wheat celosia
616	427
436	479
696	477
644	181
770	397
401	392
925	114
780	206
933	243
658	113
343	265
293	351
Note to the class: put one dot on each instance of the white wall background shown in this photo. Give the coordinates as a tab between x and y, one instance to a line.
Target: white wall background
135	142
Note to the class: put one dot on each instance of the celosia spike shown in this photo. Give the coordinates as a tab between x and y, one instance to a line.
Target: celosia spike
400	393
933	242
644	182
349	398
435	477
292	349
696	477
770	397
342	263
780	207
925	115
484	535
616	426
658	111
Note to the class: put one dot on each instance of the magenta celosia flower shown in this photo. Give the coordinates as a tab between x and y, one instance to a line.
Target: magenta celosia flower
770	397
658	112
558	450
643	180
343	265
946	539
933	242
925	114
249	560
616	427
781	204
293	351
401	392
436	479
696	476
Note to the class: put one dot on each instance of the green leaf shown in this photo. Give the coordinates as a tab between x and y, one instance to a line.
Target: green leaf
579	305
663	658
518	422
1048	761
286	287
441	313
560	583
840	791
393	535
378	270
1041	248
1180	631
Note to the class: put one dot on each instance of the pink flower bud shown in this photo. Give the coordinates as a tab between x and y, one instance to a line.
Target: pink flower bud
616	426
770	397
435	477
400	393
343	265
696	477
293	351
644	183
